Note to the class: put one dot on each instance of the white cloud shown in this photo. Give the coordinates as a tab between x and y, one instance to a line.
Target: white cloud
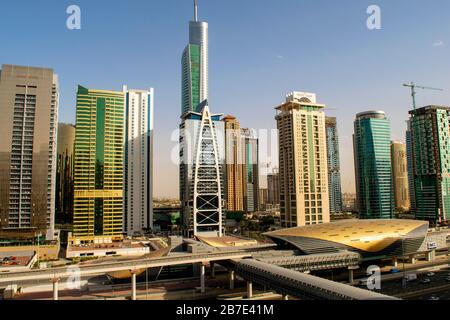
280	57
439	43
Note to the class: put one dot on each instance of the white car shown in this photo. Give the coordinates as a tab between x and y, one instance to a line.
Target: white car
431	274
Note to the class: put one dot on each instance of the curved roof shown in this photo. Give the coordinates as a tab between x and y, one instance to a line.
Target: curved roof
365	235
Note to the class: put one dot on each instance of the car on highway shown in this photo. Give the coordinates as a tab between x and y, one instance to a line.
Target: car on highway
395	270
425	281
431	274
434	298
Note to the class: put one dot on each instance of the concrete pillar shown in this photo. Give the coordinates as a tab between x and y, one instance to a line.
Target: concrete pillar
202	277
55	289
413	260
249	290
133	286
213	270
395	262
431	255
350	276
285	297
231	278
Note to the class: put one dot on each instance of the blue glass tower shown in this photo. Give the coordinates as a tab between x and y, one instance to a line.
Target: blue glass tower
372	146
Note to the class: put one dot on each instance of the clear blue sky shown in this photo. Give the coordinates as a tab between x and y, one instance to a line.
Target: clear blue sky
259	51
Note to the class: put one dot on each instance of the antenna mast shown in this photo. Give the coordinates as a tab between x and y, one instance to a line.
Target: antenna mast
195	10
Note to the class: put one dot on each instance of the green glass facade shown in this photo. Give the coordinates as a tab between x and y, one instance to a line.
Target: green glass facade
372	144
430	135
99	157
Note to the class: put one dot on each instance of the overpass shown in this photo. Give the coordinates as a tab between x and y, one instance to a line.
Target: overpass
56	274
296	284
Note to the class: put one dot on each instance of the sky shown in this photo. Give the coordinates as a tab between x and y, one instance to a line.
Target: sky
260	50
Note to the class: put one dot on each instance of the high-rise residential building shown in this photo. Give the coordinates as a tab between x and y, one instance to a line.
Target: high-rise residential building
304	198
373	170
138	173
430	133
202	143
235	165
273	186
195	66
334	166
64	174
29	100
251	170
99	163
262	198
400	176
410	158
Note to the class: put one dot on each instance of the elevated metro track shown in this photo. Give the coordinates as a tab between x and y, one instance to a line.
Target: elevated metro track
303	286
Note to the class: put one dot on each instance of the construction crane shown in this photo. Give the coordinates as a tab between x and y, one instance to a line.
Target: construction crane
413	87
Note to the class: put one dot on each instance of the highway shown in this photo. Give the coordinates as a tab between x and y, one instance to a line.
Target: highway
131	265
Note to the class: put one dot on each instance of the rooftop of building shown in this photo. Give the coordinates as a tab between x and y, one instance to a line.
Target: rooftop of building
376	114
429	108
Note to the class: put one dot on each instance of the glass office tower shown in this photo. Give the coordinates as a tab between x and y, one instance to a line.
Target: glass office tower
430	141
334	166
99	159
372	151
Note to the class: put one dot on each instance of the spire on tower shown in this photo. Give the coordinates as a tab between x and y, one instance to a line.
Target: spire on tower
195	10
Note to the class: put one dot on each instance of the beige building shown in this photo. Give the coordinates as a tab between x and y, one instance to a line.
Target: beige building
29	116
234	157
303	175
400	176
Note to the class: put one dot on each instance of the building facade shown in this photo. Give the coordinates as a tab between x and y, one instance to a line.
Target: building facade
273	186
194	64
304	198
251	170
99	163
410	158
235	165
64	174
138	171
373	169
430	133
400	177
202	174
29	100
334	166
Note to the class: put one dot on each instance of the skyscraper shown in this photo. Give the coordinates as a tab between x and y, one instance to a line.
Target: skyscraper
251	170
234	168
273	186
195	66
410	157
99	160
64	174
138	173
202	145
334	166
373	170
202	154
430	133
304	198
29	100
400	176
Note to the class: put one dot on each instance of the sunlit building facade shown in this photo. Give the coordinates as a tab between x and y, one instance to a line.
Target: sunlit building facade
334	166
29	100
304	197
99	163
138	168
400	176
